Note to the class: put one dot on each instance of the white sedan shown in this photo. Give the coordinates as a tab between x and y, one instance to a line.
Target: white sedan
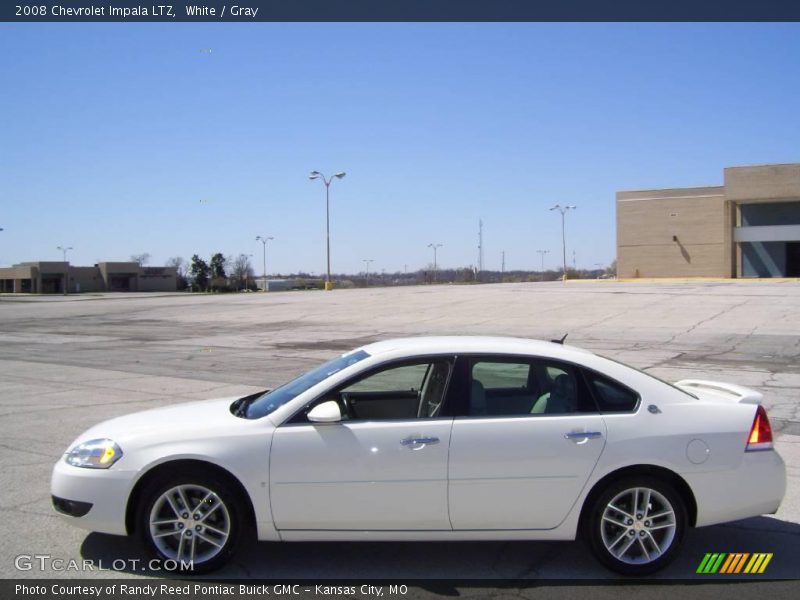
448	438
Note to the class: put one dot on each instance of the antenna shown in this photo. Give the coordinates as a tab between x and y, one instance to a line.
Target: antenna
561	341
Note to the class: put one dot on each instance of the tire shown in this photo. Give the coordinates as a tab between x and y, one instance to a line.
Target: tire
637	541
200	539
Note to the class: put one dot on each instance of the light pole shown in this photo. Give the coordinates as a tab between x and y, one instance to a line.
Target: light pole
542	253
66	267
327	182
563	210
367	262
435	247
264	239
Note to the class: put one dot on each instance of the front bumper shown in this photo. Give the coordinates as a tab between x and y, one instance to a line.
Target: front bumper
105	491
73	508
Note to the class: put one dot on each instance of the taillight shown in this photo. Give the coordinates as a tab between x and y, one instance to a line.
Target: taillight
760	433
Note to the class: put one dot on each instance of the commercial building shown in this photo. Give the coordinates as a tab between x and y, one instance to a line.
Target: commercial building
748	227
53	277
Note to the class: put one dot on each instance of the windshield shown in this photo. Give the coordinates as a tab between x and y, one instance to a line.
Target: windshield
259	406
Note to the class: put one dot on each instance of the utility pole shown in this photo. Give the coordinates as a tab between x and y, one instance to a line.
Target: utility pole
503	263
480	245
435	247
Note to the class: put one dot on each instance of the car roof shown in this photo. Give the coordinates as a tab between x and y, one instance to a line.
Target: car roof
465	344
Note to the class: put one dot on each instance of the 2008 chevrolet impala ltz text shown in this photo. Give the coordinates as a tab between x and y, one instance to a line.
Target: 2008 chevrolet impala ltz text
448	438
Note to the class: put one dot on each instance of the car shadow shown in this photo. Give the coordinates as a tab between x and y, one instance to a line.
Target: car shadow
520	563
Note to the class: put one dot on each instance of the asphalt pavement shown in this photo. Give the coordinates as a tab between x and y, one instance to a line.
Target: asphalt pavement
69	362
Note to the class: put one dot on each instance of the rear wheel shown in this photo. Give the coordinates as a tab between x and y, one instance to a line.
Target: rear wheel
636	525
192	519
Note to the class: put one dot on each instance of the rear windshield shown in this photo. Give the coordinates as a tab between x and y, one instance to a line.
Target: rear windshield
266	403
672	385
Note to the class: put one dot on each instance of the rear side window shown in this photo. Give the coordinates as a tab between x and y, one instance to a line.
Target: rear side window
610	395
513	387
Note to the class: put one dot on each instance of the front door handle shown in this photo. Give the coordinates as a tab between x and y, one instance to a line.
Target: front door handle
419	441
579	435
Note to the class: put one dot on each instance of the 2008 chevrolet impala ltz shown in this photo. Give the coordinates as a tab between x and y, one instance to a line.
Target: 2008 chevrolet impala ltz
448	438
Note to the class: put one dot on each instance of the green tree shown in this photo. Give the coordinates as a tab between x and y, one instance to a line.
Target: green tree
218	262
200	273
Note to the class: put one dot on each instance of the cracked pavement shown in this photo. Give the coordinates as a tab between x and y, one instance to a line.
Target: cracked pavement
67	363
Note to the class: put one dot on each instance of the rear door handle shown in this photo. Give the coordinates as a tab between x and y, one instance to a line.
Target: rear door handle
419	441
579	435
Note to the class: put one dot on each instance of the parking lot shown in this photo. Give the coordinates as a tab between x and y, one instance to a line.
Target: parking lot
68	362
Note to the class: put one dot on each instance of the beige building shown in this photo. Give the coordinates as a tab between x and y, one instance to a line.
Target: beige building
51	278
748	227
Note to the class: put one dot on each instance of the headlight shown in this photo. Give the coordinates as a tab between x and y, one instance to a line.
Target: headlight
94	454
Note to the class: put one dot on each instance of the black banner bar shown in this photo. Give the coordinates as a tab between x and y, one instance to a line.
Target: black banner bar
247	11
394	589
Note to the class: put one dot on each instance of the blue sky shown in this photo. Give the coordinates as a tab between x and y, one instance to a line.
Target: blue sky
112	134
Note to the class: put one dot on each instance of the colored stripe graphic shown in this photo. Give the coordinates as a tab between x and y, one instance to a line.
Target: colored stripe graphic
733	563
758	563
741	562
711	562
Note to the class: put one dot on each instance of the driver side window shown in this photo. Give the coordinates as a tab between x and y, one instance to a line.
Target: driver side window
407	391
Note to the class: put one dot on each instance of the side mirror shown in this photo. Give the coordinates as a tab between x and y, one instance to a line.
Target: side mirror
327	412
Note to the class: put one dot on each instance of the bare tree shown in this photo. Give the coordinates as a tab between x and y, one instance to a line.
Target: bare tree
181	271
142	258
179	264
241	271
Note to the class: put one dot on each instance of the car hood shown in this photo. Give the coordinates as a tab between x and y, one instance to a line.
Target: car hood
175	420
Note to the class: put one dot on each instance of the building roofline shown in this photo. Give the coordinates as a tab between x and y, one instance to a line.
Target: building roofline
789	164
672	189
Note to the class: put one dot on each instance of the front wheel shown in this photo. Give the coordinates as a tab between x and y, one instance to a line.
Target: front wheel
193	520
636	525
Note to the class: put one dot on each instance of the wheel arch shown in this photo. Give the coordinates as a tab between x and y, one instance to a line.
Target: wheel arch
671	477
183	465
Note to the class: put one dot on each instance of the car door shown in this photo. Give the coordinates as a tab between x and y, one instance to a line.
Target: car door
527	442
383	467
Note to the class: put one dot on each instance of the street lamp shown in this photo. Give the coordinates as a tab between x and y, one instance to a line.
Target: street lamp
542	253
435	247
66	267
264	239
367	261
327	182
563	210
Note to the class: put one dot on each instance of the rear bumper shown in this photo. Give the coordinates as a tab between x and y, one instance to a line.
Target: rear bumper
756	487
